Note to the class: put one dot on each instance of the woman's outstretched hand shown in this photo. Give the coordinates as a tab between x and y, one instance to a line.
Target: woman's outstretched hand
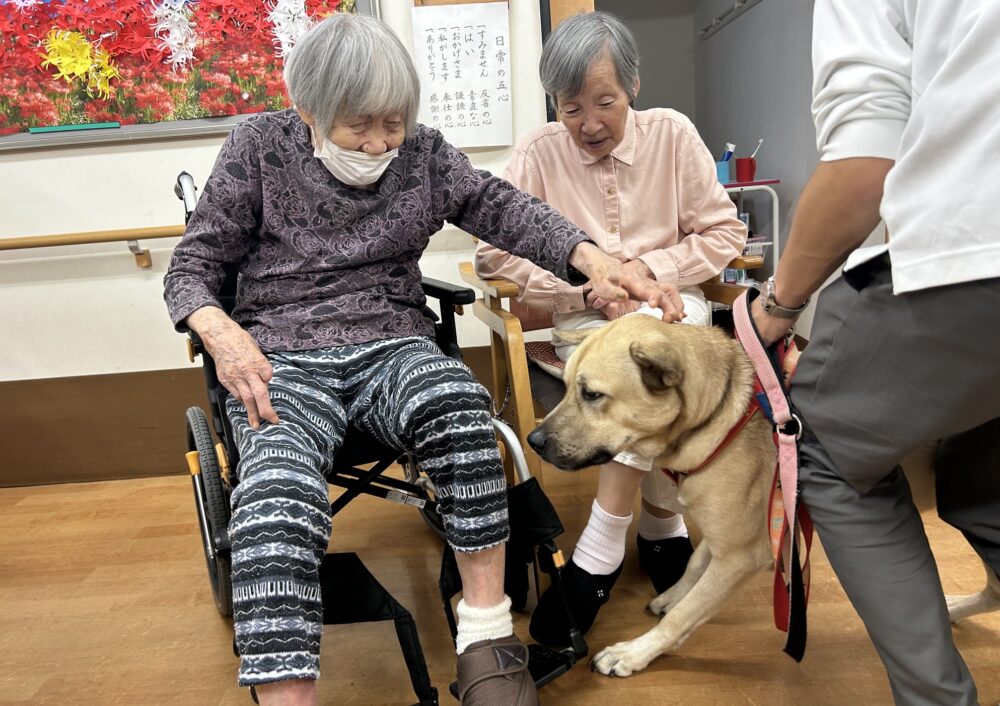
613	282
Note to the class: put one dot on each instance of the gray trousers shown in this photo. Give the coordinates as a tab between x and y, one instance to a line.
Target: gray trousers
882	375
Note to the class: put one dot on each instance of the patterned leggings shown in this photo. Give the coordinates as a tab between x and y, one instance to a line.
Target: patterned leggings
404	392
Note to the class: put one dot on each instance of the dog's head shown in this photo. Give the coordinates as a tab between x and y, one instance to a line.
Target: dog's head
632	385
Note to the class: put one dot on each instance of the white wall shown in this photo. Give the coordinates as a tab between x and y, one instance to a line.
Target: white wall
754	79
89	310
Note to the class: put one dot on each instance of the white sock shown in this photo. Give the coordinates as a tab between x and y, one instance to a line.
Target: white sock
477	624
601	548
653	528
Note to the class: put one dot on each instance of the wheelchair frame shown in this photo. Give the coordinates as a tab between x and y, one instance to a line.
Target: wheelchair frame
343	577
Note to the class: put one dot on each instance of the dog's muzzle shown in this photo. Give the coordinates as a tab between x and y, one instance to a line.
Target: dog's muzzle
546	447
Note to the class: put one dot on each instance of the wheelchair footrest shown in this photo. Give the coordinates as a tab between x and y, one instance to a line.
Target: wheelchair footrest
545	663
350	594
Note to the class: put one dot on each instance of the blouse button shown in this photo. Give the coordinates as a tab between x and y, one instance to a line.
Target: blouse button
613	229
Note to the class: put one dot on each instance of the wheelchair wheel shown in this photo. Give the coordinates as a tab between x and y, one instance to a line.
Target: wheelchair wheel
213	511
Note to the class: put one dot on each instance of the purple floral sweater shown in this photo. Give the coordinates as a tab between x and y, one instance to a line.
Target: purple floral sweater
323	264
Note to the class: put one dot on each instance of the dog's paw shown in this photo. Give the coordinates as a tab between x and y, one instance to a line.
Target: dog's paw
962	607
662	604
621	660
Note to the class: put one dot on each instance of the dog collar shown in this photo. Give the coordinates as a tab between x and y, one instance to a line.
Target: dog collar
752	409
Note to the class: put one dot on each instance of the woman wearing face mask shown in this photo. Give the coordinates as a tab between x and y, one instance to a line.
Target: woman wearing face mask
325	210
643	186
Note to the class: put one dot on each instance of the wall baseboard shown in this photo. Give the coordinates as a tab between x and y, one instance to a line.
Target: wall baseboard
108	427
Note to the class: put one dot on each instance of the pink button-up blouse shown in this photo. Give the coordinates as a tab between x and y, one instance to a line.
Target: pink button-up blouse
656	198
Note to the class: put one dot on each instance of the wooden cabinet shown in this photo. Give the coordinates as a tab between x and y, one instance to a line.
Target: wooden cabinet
559	10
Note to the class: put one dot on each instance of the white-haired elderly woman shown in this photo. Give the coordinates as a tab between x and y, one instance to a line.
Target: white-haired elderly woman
643	186
324	211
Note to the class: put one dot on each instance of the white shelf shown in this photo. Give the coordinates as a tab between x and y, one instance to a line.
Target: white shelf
774	241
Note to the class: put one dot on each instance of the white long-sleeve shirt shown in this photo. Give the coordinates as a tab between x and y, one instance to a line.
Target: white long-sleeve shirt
918	81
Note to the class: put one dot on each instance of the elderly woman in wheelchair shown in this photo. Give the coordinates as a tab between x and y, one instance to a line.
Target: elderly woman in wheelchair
324	211
643	185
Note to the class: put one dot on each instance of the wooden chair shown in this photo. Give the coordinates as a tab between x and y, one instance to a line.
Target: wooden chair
508	354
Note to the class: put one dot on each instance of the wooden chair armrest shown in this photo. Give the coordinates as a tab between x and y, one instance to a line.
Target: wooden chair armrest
722	292
746	262
725	292
496	288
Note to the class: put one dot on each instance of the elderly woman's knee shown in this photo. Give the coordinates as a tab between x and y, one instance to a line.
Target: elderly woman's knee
440	387
281	473
463	405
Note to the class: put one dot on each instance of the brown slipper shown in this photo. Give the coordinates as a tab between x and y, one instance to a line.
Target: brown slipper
495	673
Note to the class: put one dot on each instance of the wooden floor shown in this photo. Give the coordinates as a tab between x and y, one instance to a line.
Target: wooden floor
104	600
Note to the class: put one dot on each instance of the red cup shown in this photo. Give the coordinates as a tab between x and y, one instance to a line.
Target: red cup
746	169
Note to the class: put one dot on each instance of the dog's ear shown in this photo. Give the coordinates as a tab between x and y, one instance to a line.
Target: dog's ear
658	365
572	336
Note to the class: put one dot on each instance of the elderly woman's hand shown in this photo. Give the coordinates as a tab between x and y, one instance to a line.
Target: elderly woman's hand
611	310
616	310
640	281
612	281
603	272
239	364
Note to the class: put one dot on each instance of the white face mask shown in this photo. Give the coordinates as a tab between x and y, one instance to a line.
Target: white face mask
350	167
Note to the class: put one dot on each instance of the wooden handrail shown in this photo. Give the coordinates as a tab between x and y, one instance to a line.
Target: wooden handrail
94	236
132	236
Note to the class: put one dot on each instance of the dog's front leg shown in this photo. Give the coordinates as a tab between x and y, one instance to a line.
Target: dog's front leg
718	582
987	600
696	567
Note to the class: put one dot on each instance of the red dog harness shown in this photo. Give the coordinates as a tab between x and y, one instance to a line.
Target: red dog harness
788	521
752	409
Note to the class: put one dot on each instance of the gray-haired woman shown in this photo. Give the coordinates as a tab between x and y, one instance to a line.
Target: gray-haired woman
643	186
325	210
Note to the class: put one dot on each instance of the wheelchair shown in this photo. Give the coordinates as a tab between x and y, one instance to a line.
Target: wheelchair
350	593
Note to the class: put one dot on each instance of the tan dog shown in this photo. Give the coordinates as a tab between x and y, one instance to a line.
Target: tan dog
672	392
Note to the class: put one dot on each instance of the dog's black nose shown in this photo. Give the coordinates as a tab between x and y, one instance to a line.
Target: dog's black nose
537	439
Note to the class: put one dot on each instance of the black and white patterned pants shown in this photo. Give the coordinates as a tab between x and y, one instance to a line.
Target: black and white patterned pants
404	392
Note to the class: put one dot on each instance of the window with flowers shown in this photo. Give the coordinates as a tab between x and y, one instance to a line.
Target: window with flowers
68	62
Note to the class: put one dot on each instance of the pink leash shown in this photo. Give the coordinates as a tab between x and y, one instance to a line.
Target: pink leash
792	521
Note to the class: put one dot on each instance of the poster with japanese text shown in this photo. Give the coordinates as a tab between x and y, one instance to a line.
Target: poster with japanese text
462	54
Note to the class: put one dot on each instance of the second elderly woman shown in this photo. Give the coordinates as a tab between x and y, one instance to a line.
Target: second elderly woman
643	186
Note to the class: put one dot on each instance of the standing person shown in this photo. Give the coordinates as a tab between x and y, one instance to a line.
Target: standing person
324	211
643	185
904	343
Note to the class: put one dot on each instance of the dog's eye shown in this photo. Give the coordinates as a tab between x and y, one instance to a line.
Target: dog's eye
591	395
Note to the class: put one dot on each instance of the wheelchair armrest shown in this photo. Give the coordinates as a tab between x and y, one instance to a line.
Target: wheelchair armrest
447	292
195	347
450	296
